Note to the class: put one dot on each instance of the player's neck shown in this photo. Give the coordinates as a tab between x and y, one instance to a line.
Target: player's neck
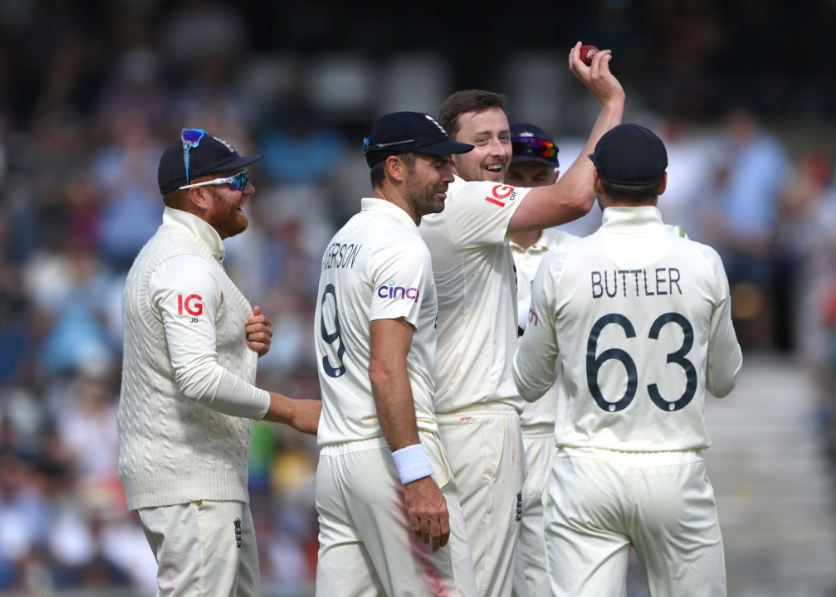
396	199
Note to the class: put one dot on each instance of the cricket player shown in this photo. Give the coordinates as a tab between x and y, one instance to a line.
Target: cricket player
534	163
389	514
188	397
639	321
477	403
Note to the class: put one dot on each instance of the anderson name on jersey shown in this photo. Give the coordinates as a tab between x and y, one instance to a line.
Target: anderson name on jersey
376	267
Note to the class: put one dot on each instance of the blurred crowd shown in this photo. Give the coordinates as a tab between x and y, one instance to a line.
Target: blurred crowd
80	139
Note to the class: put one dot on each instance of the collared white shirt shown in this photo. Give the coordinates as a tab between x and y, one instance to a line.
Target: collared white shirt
639	320
375	267
477	296
542	412
528	259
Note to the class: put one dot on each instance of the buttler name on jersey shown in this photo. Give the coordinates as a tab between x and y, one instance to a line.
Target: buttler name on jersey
635	282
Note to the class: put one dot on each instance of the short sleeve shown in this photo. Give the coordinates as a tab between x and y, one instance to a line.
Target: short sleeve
402	279
481	211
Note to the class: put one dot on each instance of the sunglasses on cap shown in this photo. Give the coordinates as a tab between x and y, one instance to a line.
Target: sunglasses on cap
534	147
378	146
191	138
237	182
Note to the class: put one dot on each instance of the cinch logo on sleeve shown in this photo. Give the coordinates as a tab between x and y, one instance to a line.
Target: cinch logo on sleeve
191	304
500	194
391	291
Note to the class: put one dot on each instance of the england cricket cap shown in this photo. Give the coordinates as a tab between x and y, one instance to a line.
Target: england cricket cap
530	144
630	155
403	132
196	154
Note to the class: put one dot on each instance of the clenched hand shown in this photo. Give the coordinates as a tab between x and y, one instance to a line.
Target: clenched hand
259	331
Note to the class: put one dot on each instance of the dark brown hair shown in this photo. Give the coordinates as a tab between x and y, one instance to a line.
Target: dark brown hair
462	102
377	172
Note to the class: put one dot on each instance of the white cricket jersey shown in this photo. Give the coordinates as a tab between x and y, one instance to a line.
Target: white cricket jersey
543	411
477	294
640	321
375	267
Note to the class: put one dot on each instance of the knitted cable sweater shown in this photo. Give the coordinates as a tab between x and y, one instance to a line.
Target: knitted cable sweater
187	395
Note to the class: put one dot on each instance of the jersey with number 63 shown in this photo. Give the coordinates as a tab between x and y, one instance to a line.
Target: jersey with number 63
640	321
376	267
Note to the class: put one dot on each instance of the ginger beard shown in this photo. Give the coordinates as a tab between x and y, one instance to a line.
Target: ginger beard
225	212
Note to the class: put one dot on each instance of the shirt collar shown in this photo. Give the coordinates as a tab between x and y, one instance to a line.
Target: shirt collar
200	229
374	204
616	217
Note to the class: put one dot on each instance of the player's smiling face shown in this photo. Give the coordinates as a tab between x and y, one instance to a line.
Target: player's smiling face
225	212
490	135
426	185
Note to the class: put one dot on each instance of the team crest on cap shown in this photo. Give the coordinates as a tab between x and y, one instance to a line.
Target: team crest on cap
225	143
435	122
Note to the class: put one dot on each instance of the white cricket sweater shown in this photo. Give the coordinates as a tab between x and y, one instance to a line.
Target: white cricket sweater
187	372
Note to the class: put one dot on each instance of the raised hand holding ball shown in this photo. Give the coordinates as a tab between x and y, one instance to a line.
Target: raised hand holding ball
587	52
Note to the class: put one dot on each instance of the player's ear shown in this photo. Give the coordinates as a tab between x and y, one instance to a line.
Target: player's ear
396	168
198	197
596	182
663	185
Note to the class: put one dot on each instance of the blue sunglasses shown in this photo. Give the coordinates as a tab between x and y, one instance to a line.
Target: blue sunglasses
237	182
191	138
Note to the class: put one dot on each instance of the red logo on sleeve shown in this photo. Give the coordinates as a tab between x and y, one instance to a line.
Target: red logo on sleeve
192	304
499	192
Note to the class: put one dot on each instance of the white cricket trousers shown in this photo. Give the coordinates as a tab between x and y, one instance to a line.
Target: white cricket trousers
601	501
485	449
531	575
366	545
204	548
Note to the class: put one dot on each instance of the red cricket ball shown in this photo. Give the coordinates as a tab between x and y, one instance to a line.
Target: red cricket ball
587	52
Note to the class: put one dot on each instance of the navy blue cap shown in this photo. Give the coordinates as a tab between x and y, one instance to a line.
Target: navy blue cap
207	155
630	155
403	132
531	144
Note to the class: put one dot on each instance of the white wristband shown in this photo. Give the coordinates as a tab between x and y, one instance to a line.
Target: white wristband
412	463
